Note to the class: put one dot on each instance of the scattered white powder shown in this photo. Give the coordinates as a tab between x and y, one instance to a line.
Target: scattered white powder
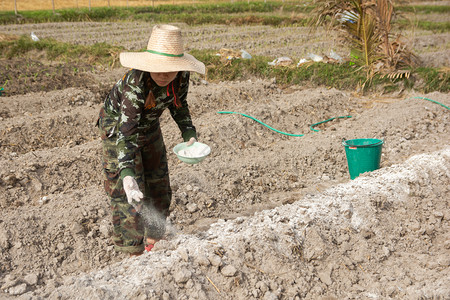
194	152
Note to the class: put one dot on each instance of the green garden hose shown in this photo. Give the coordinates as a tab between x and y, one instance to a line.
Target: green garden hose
232	112
315	124
271	128
423	98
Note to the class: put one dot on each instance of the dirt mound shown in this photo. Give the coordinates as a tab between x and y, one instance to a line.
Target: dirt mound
336	244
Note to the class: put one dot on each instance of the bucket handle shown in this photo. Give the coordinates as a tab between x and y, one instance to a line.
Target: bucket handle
362	146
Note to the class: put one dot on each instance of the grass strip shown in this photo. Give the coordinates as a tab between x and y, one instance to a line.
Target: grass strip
100	53
163	13
434	79
424	9
340	76
436	27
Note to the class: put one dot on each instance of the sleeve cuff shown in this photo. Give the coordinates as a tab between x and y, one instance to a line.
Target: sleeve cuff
126	172
188	134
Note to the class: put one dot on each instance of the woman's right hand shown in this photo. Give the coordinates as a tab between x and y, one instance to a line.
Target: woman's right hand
132	190
191	141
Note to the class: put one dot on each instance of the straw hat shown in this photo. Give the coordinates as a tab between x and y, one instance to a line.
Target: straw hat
164	53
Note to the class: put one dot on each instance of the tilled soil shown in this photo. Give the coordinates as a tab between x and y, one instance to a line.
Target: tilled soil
265	216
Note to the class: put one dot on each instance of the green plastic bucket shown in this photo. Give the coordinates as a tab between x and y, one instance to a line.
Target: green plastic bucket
363	155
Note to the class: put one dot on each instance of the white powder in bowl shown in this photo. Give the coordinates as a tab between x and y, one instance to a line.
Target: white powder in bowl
194	152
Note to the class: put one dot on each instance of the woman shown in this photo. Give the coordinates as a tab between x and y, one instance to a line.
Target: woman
134	155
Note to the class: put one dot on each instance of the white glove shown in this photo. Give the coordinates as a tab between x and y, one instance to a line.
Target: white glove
191	141
132	189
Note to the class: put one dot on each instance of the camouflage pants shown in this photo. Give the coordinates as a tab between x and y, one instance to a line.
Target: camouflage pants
131	225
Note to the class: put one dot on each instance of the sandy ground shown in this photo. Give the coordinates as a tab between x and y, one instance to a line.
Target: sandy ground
265	216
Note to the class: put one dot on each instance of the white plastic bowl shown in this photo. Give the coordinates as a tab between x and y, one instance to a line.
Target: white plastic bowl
192	154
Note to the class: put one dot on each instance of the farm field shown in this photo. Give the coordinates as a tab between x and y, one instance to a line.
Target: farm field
265	216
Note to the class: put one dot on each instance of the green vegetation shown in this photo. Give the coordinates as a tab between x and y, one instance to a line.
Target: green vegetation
435	79
270	13
439	27
100	53
340	76
424	9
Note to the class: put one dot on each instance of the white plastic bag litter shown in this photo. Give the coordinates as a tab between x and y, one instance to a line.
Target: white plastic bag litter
347	16
315	57
335	56
34	37
281	61
302	61
245	54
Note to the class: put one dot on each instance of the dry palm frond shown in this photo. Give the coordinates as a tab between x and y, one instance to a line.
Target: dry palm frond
362	27
366	25
398	74
396	53
384	10
401	56
356	21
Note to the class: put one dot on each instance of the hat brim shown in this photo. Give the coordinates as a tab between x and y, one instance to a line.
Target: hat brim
150	62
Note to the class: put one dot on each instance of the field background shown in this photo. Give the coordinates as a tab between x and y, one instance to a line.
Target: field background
383	234
8	5
266	215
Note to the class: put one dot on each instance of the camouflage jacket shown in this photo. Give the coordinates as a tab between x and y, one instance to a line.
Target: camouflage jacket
130	111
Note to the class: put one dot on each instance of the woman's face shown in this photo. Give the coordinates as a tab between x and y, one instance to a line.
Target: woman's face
163	79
